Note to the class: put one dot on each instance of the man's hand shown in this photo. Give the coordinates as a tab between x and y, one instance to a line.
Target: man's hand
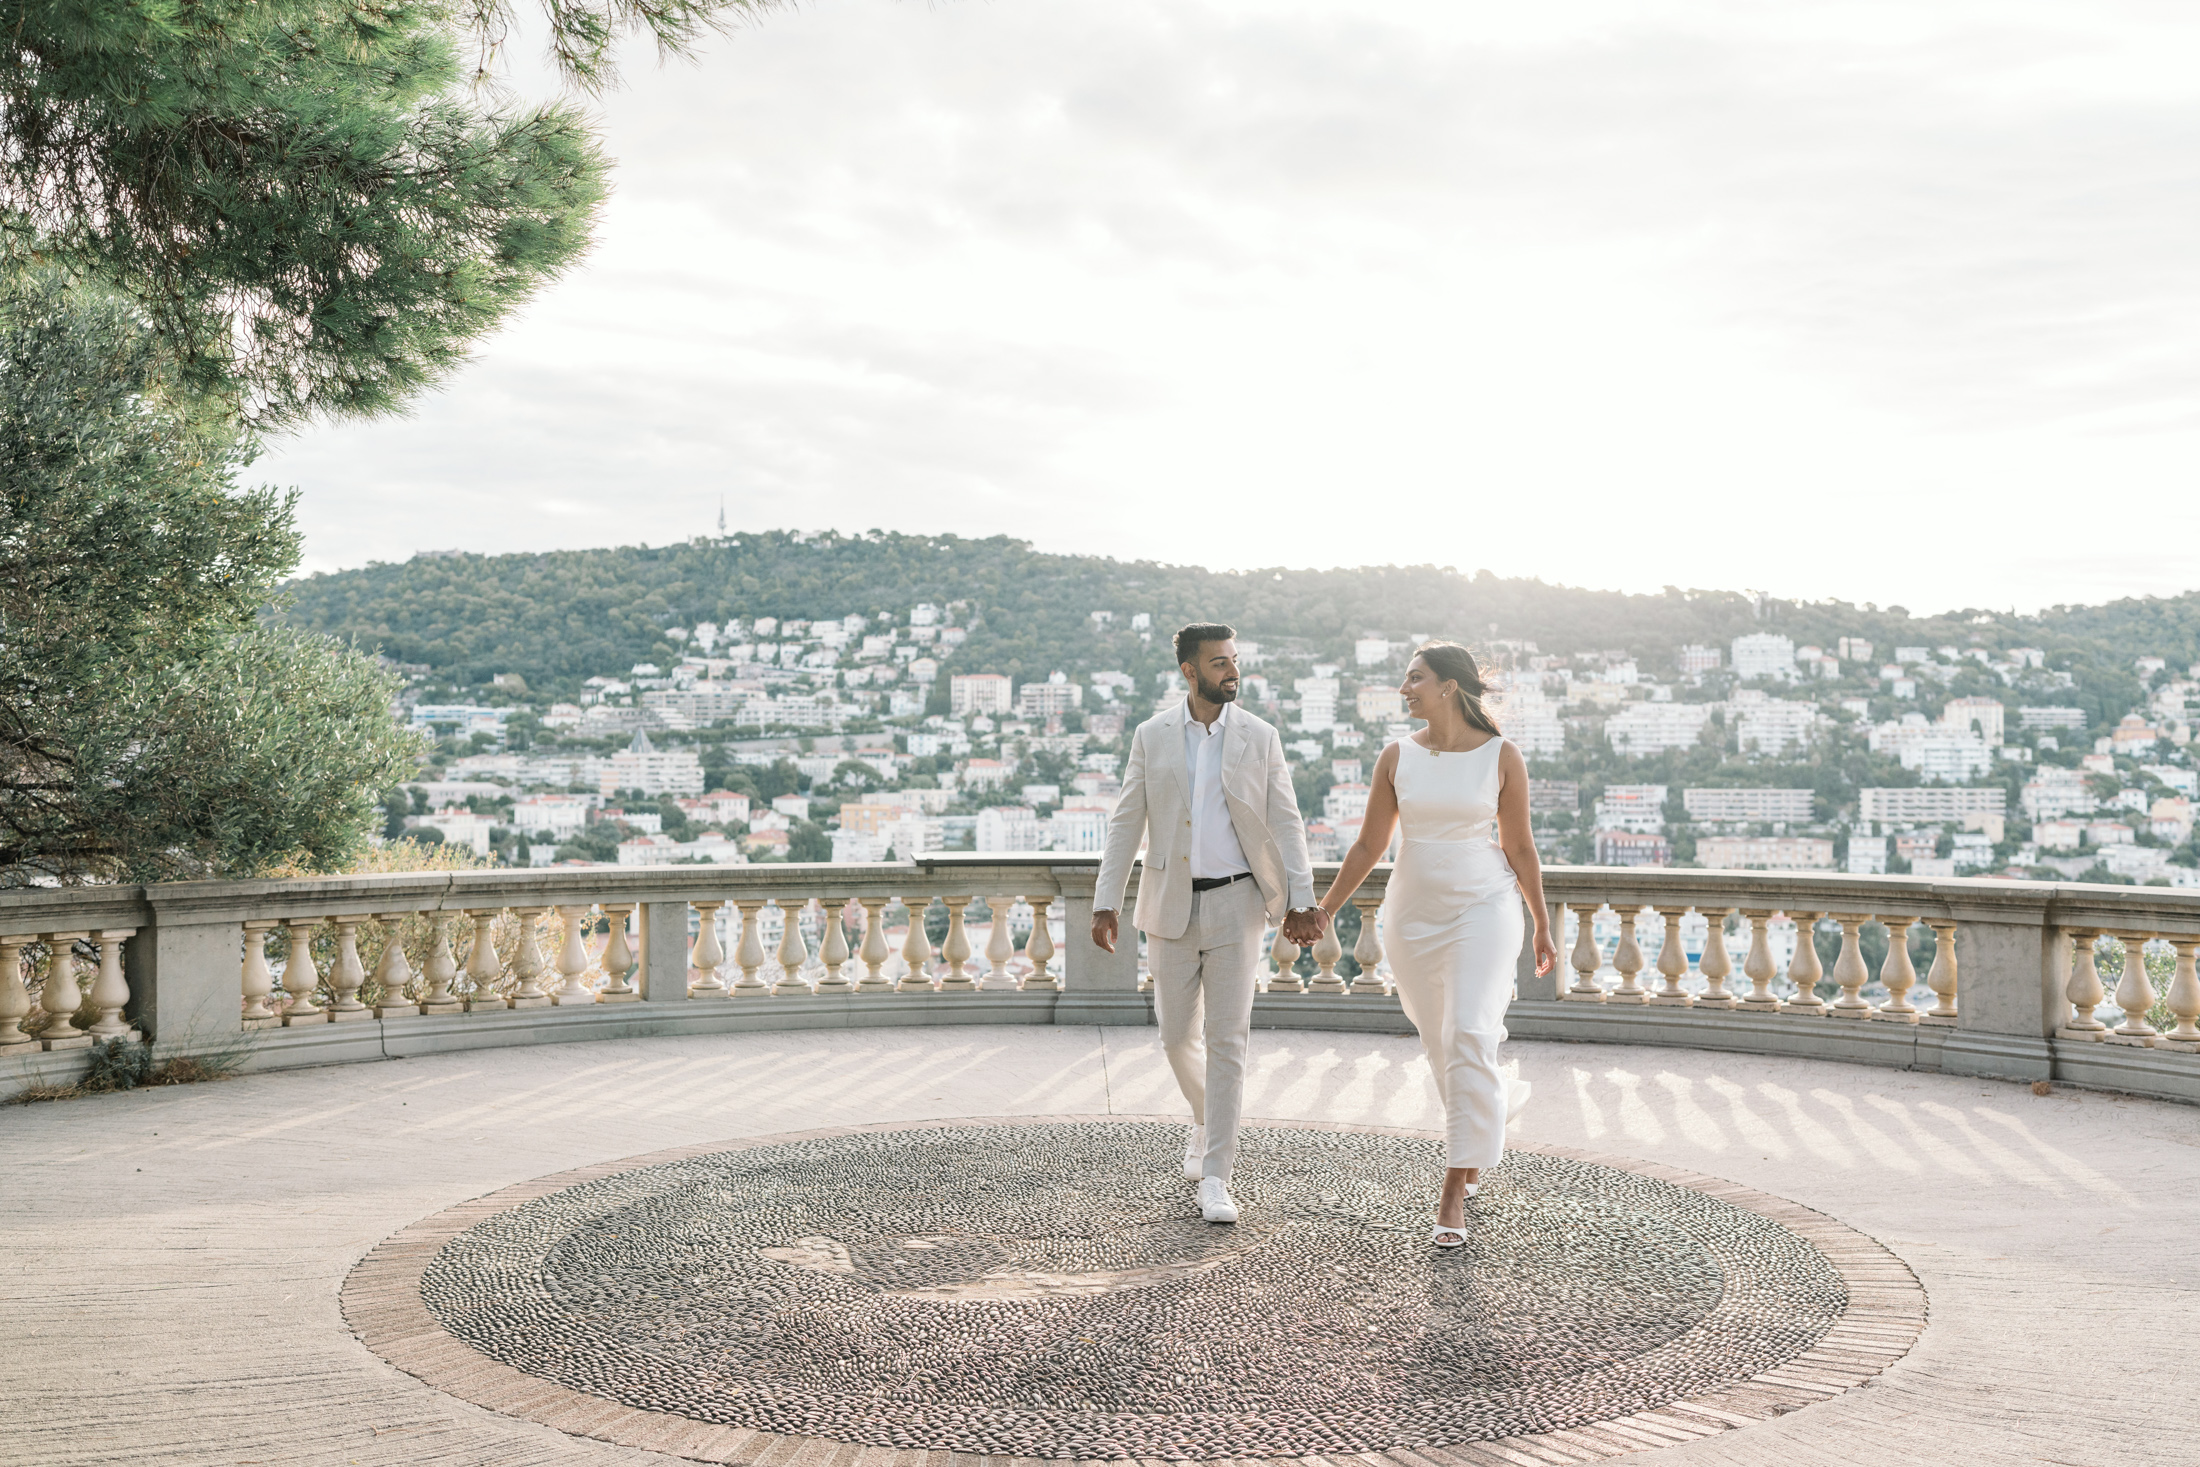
1103	931
1305	927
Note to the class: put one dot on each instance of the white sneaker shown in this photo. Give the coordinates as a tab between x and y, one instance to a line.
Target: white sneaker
1195	1154
1215	1202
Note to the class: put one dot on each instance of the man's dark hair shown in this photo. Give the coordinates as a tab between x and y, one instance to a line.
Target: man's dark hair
1190	639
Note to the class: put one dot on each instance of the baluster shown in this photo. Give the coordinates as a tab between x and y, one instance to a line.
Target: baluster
1804	969
484	969
705	956
1897	974
257	981
1849	970
347	975
833	952
527	964
393	972
2183	997
1673	962
794	952
1942	977
1627	960
748	954
300	977
955	950
1758	967
15	998
61	998
1587	958
618	959
1715	964
441	969
875	952
1368	950
573	957
1328	952
2084	990
916	951
1000	945
1039	947
1286	955
110	989
2135	994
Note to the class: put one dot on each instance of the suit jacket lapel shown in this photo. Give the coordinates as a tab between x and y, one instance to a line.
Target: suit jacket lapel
1173	756
1236	749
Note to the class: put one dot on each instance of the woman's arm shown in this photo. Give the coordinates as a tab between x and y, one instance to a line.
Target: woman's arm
1375	831
1518	842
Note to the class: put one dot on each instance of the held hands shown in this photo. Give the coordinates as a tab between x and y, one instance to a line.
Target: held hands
1305	927
1546	951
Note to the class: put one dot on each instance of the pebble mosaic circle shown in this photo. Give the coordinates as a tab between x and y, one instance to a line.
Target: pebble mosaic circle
1048	1290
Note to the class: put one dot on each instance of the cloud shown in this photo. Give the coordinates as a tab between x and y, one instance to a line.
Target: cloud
1832	299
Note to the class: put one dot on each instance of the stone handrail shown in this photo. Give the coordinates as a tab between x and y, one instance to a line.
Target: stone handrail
307	971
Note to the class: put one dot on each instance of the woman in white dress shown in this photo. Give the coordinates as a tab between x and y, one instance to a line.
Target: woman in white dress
1452	920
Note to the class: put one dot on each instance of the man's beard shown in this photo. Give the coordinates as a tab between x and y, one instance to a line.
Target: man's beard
1212	693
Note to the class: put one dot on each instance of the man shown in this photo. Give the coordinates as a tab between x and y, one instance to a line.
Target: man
1208	791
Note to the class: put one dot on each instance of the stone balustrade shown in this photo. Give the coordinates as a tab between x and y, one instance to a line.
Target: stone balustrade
2021	980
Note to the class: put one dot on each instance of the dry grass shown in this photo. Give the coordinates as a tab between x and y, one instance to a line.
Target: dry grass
124	1064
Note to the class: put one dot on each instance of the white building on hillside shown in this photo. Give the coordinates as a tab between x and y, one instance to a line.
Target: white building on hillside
1078	830
642	766
1763	654
1317	703
1748	806
1765	853
979	692
552	815
1345	802
1937	753
1652	728
1984	715
1639	808
1007	828
1774	726
2054	792
1931	805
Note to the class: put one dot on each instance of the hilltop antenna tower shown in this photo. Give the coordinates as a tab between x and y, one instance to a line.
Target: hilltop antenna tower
721	516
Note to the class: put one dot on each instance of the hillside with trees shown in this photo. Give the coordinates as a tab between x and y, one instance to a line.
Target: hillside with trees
562	616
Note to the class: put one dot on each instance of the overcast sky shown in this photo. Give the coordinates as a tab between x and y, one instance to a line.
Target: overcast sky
1895	302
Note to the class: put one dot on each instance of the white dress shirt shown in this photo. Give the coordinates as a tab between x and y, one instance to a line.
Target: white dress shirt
1215	849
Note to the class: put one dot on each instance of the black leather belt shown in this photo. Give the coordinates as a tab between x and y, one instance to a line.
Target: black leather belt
1209	883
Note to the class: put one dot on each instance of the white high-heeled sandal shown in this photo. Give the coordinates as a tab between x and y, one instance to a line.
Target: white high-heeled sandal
1457	1235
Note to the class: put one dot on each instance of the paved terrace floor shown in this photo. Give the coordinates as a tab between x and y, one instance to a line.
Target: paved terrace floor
174	1257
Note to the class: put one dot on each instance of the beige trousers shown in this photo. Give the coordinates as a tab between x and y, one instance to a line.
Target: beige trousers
1203	1000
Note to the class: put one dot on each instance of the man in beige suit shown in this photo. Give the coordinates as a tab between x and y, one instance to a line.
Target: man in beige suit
1208	792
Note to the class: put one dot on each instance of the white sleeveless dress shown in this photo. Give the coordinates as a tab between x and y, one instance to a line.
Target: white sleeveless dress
1453	925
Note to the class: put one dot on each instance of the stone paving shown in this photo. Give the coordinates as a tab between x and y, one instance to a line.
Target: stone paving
176	1259
1044	1289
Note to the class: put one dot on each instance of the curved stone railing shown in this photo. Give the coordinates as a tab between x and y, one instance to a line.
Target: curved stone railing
2007	979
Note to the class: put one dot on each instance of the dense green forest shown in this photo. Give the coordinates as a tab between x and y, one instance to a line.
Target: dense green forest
565	615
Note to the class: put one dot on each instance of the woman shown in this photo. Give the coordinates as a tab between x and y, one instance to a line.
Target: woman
1453	908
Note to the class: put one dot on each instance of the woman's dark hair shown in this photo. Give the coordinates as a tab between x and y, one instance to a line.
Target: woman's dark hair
1453	663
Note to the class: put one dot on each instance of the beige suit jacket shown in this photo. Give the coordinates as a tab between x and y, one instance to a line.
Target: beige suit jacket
1157	808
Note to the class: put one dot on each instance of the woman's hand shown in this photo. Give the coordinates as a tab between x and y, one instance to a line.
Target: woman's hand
1546	951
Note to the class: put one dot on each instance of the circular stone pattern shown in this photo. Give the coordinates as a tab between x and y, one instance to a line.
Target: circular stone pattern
1046	1289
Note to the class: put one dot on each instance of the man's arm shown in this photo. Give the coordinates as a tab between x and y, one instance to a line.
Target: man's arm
1126	827
1288	828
